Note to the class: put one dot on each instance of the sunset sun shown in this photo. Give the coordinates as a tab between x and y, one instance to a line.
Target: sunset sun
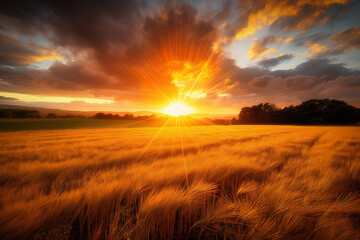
177	110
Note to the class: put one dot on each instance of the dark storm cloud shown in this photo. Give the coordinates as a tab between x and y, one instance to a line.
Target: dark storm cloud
118	46
312	37
96	32
14	53
272	62
74	23
291	83
225	12
75	76
262	81
322	67
78	75
316	78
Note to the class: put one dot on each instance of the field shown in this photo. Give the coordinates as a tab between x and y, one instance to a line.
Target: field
18	124
51	124
199	182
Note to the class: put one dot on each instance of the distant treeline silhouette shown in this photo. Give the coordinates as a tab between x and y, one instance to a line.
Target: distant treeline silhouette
26	113
127	116
314	111
19	113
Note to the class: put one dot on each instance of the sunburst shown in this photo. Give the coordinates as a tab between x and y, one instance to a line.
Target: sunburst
177	110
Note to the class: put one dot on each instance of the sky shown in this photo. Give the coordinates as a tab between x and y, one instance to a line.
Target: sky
213	56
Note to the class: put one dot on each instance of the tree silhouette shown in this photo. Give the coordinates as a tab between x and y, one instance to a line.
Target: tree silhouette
19	113
314	111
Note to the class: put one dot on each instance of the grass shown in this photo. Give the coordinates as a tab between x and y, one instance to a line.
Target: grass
17	124
226	182
56	124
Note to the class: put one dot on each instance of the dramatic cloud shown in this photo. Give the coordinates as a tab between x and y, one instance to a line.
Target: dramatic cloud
259	48
344	41
74	76
323	67
312	38
315	49
305	81
348	39
169	45
77	24
14	53
149	53
285	15
272	62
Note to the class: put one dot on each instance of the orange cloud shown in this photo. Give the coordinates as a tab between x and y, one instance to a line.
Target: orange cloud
257	50
347	40
344	41
259	47
187	77
315	49
266	13
229	84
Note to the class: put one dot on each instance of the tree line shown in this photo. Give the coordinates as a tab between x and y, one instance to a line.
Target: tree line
314	111
127	116
26	113
19	113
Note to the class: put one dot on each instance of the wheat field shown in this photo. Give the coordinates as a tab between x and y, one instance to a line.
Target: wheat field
199	182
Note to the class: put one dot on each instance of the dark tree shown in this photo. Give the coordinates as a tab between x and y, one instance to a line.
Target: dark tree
262	113
100	115
234	121
6	113
314	111
51	115
127	116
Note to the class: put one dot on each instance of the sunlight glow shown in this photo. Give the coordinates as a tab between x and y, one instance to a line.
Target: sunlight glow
177	110
54	99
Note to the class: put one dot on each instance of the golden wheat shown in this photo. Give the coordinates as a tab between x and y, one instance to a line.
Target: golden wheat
204	182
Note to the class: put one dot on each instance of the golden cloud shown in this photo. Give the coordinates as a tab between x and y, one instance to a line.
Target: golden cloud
267	13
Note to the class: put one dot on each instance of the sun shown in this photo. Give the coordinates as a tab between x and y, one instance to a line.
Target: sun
177	110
